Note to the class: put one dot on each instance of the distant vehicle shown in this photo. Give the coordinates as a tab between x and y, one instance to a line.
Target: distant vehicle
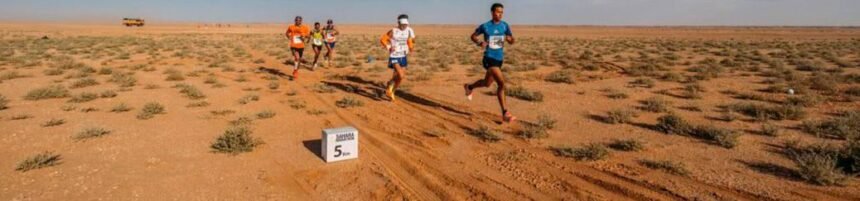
132	22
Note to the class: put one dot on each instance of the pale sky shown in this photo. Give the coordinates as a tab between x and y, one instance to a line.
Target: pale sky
545	12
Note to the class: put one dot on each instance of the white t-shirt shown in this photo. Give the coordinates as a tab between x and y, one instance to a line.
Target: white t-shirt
399	42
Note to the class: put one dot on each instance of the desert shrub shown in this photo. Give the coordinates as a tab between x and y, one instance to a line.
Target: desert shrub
84	82
108	94
769	129
123	79
348	102
42	160
91	133
265	114
486	134
844	126
249	98
54	91
561	76
819	168
693	91
673	124
522	93
619	116
54	122
190	91
235	140
627	145
121	107
655	104
720	136
780	112
807	100
3	102
643	82
83	97
676	168
589	152
150	110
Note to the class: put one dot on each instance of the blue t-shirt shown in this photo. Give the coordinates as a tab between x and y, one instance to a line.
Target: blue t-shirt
494	34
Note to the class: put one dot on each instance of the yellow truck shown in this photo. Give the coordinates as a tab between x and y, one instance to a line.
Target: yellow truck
132	22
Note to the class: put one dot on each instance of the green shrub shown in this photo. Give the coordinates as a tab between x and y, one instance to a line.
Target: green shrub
84	82
561	76
235	140
844	126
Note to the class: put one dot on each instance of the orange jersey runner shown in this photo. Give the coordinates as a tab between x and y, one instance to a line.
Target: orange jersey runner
297	35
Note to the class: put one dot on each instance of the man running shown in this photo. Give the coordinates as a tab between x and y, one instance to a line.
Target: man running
316	43
496	32
330	39
298	35
399	42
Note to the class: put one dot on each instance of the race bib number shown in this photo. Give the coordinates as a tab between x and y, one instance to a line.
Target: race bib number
297	39
497	42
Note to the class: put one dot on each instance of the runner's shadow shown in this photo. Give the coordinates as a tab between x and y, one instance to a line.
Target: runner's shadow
407	96
273	71
315	146
372	93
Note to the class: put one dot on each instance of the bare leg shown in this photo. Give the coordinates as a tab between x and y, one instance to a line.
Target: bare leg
496	73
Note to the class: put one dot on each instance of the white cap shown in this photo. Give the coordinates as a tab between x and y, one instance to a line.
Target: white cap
403	21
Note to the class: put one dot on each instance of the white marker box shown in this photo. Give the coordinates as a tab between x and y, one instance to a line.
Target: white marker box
339	144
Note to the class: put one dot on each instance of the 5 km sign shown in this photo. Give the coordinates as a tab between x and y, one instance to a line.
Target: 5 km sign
339	144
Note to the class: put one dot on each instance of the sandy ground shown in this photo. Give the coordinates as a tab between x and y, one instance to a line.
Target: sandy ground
169	157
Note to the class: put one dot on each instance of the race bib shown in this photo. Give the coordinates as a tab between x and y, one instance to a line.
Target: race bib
496	42
297	39
318	41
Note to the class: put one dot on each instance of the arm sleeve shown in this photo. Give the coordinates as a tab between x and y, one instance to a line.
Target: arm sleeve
479	30
385	39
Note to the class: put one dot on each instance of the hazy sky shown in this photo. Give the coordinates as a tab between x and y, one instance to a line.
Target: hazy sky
557	12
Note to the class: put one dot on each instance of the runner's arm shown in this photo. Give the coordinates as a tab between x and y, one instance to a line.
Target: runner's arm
477	40
509	37
385	40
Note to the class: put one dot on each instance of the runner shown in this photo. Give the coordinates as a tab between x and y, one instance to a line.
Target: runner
496	32
316	43
298	35
330	39
399	43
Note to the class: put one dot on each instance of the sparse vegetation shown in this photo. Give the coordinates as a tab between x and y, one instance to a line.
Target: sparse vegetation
589	152
46	159
627	145
53	122
619	116
522	93
249	98
486	134
150	110
121	107
91	133
655	104
54	91
671	167
348	102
